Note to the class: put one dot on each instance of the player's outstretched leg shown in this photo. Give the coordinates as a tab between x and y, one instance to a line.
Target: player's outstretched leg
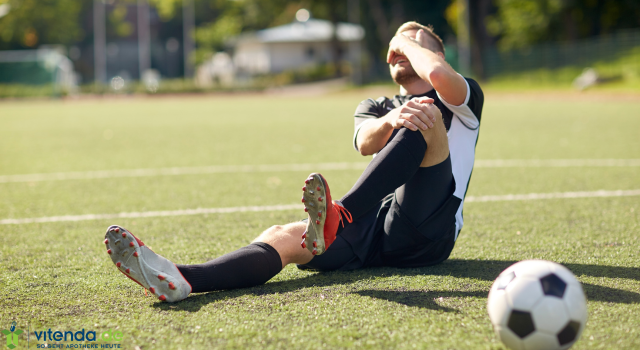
324	214
141	264
248	266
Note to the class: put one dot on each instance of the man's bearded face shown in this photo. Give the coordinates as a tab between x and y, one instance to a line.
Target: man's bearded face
402	72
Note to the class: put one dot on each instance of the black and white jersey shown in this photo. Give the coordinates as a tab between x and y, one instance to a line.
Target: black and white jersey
462	123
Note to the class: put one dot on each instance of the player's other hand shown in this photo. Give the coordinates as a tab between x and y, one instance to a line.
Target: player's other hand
417	113
399	42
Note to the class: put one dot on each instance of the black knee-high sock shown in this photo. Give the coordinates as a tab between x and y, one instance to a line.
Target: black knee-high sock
394	165
248	266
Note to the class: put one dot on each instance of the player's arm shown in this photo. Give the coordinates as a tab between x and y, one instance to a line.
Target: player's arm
430	66
413	115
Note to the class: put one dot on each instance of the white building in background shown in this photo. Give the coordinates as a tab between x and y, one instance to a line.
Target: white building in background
295	45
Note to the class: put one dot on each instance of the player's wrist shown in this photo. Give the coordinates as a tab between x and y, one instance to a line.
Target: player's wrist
389	121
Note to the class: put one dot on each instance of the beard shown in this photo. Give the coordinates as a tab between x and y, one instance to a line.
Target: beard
403	76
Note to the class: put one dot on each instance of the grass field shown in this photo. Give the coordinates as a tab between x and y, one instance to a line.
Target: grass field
57	275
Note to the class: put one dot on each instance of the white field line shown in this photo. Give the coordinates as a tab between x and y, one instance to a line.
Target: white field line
149	214
105	174
481	163
553	195
199	211
555	163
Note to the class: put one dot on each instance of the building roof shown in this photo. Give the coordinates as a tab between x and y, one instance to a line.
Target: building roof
312	30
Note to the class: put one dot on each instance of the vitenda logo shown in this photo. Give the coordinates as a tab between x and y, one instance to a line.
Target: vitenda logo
12	335
50	335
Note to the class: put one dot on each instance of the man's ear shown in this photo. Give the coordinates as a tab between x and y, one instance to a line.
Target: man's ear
440	54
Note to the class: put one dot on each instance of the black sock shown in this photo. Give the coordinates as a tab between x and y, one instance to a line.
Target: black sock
248	266
394	165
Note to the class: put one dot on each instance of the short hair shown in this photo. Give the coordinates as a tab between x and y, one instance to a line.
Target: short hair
413	25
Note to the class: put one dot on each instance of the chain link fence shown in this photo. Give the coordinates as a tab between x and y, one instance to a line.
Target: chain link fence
615	55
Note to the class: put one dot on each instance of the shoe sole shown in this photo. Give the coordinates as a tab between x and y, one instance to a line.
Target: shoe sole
315	204
150	270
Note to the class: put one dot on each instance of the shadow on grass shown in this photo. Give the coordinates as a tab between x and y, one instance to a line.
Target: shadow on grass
486	270
421	299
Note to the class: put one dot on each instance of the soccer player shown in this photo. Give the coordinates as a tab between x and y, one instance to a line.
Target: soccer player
405	210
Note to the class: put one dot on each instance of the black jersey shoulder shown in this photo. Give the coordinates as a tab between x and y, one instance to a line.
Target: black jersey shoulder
372	109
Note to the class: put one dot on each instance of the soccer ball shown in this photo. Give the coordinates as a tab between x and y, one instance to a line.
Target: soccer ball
537	304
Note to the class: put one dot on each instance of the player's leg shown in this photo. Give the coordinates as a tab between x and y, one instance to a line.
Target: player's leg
252	265
285	239
249	266
433	182
391	168
394	165
420	223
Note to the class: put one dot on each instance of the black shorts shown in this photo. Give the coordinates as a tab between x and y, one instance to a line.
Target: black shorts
385	236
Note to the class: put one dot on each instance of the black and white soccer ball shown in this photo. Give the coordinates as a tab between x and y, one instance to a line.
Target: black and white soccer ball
536	305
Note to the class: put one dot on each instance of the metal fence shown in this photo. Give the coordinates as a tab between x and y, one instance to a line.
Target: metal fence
578	54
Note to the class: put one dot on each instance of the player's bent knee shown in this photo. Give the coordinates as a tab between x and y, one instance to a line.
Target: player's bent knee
437	145
285	239
275	229
436	134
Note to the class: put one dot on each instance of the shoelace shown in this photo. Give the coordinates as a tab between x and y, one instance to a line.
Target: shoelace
342	211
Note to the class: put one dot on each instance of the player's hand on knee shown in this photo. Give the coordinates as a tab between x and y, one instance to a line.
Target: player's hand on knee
410	122
433	112
404	117
429	109
426	114
412	115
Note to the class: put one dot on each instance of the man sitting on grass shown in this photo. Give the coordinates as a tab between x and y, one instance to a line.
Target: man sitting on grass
405	210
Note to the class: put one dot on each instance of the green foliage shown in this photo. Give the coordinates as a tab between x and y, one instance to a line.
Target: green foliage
521	23
212	36
230	18
166	8
30	23
118	23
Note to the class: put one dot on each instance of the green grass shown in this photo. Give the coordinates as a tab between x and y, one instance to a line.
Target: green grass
57	275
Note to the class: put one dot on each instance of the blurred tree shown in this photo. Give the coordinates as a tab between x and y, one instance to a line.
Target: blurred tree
118	25
30	23
481	39
381	19
166	8
221	20
521	23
